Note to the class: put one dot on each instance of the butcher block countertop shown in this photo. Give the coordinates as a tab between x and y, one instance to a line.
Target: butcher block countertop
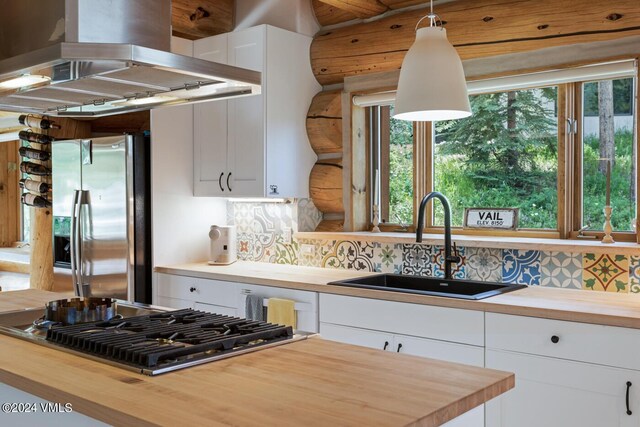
311	382
30	298
601	308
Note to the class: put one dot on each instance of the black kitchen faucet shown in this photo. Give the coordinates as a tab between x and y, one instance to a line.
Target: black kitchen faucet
449	256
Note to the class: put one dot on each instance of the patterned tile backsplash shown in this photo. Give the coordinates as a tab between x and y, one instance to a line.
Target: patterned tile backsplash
262	236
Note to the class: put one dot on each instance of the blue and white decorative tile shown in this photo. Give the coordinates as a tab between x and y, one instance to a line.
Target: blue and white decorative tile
458	268
418	260
561	270
634	274
387	258
521	267
483	264
320	248
351	255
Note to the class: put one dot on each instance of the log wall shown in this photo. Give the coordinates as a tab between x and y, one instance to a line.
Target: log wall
477	28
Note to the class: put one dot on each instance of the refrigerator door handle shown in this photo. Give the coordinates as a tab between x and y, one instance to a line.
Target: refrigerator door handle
75	256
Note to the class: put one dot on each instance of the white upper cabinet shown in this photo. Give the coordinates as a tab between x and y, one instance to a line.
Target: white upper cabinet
257	146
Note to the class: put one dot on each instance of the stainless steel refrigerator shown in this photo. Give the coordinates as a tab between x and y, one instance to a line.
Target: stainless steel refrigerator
101	219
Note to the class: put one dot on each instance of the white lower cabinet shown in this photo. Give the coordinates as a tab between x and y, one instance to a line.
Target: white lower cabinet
422	347
567	373
228	298
419	330
562	393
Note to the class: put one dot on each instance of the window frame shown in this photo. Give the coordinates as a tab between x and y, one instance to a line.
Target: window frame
569	182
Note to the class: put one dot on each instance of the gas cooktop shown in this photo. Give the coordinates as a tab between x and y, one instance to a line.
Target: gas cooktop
151	340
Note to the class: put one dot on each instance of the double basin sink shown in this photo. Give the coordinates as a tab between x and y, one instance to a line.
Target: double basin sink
451	288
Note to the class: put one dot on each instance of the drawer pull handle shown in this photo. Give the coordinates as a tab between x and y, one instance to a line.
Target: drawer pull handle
192	289
220	181
627	398
399	347
555	339
386	344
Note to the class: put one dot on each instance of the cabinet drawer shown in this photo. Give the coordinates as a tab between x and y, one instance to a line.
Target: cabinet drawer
201	290
457	353
355	336
606	345
175	303
446	324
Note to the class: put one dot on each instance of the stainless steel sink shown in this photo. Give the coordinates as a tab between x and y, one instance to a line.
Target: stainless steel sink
450	288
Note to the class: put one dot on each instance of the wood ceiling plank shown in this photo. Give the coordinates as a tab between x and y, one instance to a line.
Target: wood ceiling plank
359	8
195	19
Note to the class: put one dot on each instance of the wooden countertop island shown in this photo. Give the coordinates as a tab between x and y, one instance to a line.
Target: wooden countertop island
312	382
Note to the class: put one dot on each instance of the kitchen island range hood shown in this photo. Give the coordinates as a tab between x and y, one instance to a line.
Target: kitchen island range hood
95	58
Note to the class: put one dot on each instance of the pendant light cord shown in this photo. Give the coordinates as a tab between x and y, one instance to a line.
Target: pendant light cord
433	18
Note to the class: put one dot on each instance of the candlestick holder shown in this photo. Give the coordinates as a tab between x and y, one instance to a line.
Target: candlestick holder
607	225
376	219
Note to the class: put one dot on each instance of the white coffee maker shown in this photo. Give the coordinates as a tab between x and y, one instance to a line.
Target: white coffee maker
223	245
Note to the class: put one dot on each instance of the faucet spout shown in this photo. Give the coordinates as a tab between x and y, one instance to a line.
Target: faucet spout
449	257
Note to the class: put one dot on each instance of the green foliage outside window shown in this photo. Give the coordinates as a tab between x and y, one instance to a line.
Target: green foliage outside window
401	172
504	155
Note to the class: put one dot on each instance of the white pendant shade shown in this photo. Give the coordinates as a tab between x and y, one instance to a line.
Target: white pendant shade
432	84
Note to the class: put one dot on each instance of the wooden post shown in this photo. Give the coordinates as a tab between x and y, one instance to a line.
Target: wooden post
42	219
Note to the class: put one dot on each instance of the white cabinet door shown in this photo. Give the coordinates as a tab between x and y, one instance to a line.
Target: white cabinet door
210	125
451	352
246	121
175	303
560	393
356	336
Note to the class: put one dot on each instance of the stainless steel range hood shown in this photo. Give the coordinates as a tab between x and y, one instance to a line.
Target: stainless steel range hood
101	57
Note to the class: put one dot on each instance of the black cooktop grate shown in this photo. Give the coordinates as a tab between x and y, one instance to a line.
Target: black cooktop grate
167	339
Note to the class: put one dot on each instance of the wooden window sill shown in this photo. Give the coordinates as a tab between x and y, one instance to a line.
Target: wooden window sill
555	245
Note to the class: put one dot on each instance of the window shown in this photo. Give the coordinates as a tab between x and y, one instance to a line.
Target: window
504	156
538	142
393	142
607	137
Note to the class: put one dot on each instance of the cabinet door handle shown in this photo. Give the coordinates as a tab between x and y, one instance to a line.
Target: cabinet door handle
192	289
220	181
228	186
627	398
399	347
386	344
555	339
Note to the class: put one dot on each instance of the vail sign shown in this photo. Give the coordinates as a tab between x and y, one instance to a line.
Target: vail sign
505	219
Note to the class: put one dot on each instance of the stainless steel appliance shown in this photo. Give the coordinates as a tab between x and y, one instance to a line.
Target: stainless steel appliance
97	57
151	340
101	216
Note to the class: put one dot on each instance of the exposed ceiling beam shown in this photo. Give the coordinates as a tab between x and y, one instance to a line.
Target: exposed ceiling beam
195	19
330	15
359	8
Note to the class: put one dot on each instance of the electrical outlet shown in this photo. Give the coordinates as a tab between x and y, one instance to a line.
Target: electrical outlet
307	250
286	234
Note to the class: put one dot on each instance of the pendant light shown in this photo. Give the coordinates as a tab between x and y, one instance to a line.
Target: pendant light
432	85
